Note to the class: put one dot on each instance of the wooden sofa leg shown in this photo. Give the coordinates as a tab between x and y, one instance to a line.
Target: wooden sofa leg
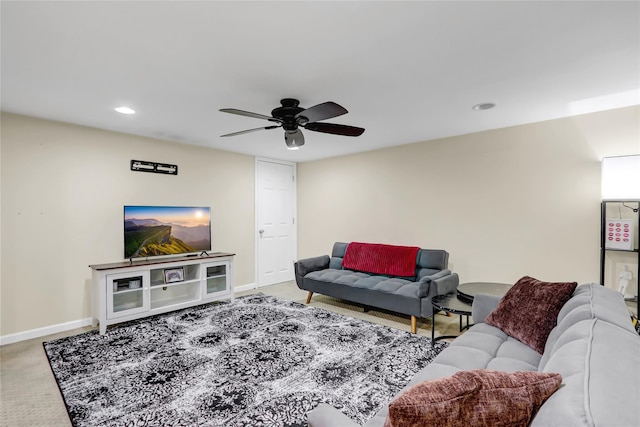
414	324
309	297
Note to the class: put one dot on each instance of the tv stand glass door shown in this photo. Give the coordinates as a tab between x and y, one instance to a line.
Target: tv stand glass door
127	293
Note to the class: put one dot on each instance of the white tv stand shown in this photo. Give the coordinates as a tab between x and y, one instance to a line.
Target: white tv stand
129	290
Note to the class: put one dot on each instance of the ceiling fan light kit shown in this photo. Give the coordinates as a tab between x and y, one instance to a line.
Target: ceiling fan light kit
294	139
291	117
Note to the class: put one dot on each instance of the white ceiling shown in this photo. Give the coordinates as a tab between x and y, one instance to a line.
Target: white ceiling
406	71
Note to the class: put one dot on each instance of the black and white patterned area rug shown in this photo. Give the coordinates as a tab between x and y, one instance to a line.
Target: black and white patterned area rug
259	361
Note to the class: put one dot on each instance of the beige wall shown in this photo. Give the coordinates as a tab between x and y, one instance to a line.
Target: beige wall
517	201
63	191
504	203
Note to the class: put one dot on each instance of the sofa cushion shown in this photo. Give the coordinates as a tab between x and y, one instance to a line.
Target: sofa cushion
589	301
337	276
599	365
478	398
484	347
337	255
529	310
431	261
390	285
595	301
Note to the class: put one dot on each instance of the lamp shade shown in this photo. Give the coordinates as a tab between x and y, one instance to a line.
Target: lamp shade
621	178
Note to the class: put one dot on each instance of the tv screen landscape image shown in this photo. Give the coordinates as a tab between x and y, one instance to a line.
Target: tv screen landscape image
166	230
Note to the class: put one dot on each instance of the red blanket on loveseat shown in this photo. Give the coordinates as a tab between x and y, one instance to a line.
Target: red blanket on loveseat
377	258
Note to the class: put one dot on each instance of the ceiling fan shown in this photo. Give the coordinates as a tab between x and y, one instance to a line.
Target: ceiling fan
290	116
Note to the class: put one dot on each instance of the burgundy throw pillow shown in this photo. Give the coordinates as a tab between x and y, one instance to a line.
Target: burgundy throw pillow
474	398
529	310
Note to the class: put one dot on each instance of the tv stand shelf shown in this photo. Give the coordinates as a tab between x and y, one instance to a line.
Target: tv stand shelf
129	290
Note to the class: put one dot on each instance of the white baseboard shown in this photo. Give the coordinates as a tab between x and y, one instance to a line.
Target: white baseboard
63	327
41	332
243	288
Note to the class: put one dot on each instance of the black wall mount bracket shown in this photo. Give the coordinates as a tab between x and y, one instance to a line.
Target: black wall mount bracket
144	166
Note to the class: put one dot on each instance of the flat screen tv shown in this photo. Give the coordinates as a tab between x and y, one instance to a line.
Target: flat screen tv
166	230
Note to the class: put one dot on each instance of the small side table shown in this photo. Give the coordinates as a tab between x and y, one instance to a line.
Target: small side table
449	303
467	291
460	302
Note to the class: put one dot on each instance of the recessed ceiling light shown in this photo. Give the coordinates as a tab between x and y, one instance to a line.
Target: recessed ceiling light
484	106
125	110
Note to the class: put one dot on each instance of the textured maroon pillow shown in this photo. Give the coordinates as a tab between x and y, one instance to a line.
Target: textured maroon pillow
529	310
474	398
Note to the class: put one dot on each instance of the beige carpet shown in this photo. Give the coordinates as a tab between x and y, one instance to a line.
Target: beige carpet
29	394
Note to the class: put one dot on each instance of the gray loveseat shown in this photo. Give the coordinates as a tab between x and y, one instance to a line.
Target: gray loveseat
410	295
593	346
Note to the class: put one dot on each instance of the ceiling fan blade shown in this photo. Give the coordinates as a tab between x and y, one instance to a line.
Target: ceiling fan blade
249	114
334	129
249	130
294	139
327	110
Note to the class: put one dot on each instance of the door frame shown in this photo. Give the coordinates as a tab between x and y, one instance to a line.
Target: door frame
294	233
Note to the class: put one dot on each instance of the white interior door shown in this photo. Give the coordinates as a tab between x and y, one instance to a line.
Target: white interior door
275	221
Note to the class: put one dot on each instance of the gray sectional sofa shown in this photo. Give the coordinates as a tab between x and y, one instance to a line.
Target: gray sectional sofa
410	295
593	346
